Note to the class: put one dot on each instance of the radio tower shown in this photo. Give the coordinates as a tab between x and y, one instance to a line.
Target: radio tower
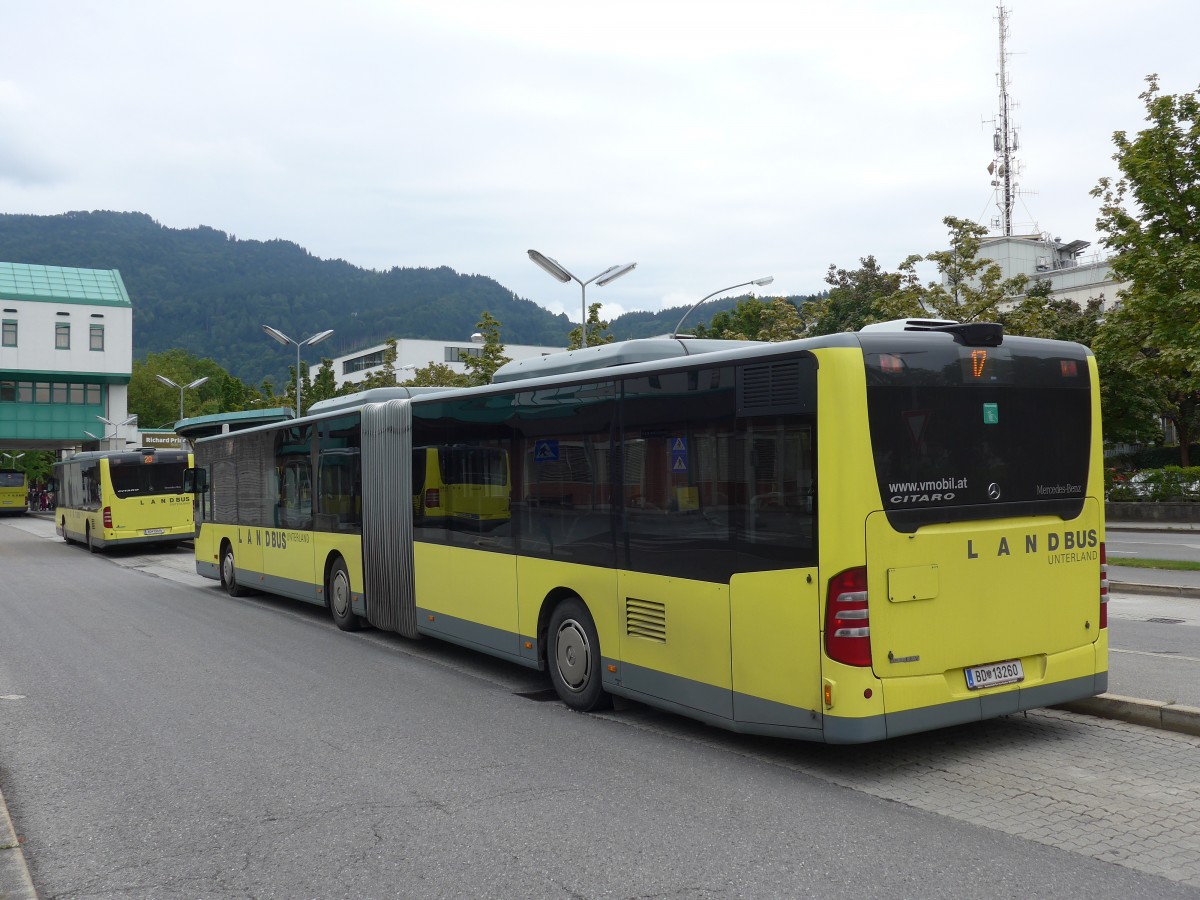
1004	167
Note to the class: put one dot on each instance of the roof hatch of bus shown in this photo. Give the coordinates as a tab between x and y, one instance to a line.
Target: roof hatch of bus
605	356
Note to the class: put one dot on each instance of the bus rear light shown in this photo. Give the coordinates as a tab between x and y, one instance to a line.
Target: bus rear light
108	517
848	618
433	497
1103	586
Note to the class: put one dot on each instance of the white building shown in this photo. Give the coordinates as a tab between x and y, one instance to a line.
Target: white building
353	368
66	357
1072	276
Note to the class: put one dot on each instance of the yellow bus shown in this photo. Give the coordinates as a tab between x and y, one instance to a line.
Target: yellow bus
119	498
840	539
14	493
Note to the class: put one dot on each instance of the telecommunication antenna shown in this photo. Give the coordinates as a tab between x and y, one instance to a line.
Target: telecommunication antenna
1004	167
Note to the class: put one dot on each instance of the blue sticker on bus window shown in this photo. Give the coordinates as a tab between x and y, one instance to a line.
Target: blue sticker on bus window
545	451
991	414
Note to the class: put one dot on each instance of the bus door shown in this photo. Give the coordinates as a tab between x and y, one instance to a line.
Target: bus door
288	551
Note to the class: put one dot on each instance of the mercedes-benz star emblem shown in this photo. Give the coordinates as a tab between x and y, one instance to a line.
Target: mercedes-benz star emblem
993	491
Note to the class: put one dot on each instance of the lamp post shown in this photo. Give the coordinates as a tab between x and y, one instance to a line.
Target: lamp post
167	381
556	271
116	427
13	457
278	335
760	282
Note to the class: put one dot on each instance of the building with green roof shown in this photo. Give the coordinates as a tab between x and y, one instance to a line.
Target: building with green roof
66	357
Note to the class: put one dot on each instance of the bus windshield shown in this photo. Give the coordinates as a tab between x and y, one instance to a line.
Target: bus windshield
140	479
12	479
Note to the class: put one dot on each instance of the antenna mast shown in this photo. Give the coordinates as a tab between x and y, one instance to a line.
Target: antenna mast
1004	166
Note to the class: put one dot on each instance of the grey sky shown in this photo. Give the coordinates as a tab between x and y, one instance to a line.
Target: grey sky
710	142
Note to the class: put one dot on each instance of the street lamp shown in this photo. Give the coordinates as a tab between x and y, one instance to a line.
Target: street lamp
278	335
167	381
761	282
115	426
12	458
556	271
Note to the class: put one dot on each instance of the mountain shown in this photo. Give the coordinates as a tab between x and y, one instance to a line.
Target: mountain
209	293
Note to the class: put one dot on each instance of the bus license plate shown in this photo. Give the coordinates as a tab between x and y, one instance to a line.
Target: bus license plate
154	531
996	673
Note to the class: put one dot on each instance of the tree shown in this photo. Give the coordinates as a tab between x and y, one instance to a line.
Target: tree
481	368
597	331
157	404
437	374
1151	219
855	298
324	386
971	288
748	318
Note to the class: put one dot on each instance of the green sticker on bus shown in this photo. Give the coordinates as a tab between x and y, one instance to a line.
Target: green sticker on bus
991	414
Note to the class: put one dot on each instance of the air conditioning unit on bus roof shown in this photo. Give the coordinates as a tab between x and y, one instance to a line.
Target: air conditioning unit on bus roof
908	325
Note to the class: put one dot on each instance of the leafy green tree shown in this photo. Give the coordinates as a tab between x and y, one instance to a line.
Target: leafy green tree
481	368
437	374
748	318
971	288
597	331
38	465
1151	219
1038	315
157	404
324	386
855	298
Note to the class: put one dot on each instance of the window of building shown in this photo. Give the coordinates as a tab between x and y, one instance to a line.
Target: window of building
10	333
359	363
96	339
62	335
457	354
8	392
93	394
41	392
59	393
76	394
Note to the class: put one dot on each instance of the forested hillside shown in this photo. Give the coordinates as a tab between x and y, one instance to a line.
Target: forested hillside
206	292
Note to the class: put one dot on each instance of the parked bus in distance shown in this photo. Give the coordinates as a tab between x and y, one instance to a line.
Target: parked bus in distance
124	497
842	539
14	492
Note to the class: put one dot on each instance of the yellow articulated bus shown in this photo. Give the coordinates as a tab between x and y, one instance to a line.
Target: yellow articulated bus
840	539
119	498
14	493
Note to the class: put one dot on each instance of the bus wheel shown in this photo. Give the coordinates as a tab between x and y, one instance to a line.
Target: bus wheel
87	538
574	662
66	539
337	595
229	573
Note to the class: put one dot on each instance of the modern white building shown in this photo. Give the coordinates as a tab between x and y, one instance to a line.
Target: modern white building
1072	275
66	357
353	368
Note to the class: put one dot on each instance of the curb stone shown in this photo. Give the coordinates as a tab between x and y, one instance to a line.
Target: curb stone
15	883
1152	713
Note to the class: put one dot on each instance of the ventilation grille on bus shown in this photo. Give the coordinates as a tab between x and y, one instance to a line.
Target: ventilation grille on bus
646	618
777	388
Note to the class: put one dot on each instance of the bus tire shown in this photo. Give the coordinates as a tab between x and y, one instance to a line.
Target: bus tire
574	657
229	573
337	598
87	539
66	537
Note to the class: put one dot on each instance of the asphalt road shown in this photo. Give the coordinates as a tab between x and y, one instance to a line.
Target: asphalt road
160	739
